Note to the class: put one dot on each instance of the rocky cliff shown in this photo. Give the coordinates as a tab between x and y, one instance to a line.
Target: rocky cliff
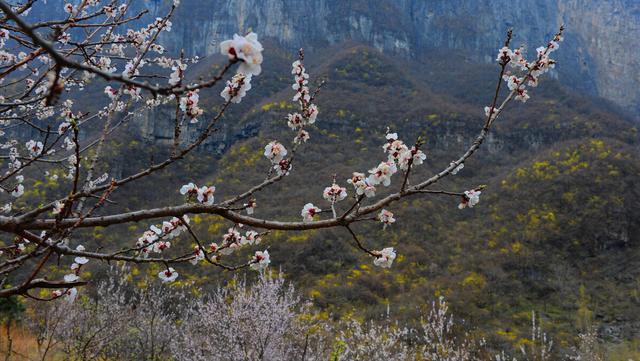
601	53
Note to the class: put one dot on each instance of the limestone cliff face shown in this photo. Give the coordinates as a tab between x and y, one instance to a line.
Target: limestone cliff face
601	54
610	35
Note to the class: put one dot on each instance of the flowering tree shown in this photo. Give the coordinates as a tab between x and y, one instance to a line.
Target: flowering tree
43	62
263	321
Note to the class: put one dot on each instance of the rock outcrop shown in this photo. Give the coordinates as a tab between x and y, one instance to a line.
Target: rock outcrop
601	54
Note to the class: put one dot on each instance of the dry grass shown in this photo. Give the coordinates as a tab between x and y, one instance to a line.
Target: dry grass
24	345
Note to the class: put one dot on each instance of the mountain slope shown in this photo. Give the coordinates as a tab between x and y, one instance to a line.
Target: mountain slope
556	168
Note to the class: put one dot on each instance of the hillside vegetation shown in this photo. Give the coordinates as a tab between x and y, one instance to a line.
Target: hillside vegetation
556	230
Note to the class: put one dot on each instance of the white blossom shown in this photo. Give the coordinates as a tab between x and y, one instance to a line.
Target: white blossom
385	258
189	105
456	169
522	95
309	211
161	246
487	111
109	11
470	199
6	208
504	54
386	217
18	191
301	137
189	189
260	260
198	255
414	156
251	237
335	193
382	173
71	277
295	120
275	152
236	88
311	113
4	36
250	207
513	82
71	294
394	147
283	167
35	148
168	275
361	185
205	195
247	49
111	92
81	260
177	73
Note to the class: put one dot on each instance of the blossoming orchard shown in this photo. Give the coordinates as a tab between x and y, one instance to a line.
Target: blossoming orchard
43	64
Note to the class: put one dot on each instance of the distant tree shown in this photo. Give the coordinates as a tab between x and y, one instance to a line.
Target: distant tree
43	62
266	320
11	310
589	348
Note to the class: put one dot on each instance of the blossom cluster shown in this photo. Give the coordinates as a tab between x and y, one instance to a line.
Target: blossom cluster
123	59
532	70
246	49
334	193
385	257
236	88
386	217
362	185
202	194
71	293
470	198
260	260
309	211
308	111
233	240
276	152
398	156
297	121
401	154
158	238
189	105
